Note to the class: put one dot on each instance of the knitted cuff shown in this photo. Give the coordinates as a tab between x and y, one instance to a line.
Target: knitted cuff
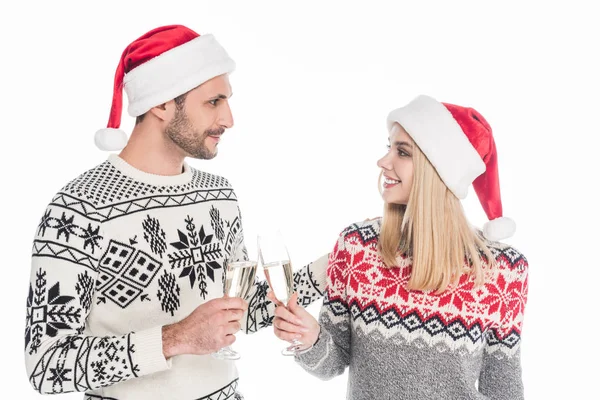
149	351
313	356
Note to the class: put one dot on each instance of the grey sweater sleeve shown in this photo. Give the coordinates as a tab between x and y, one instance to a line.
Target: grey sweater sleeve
331	353
501	377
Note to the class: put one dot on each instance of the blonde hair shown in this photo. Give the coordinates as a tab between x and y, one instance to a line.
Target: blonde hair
433	230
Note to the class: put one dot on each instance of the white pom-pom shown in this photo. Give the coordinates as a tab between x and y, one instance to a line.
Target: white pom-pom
499	228
110	139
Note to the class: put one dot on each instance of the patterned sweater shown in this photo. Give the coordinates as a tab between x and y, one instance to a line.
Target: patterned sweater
403	344
118	254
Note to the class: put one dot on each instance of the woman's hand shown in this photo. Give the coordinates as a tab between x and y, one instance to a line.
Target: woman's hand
294	322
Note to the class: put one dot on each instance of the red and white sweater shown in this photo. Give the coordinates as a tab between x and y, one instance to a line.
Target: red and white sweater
407	344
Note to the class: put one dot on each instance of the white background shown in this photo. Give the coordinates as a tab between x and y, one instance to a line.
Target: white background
314	83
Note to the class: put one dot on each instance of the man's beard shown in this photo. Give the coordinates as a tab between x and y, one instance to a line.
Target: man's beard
181	132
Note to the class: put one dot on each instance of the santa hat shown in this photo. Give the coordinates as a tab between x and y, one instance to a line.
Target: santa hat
157	67
459	144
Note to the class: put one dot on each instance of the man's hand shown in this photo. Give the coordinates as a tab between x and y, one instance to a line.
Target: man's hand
210	327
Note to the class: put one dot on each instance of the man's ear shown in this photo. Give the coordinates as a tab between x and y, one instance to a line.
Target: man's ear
164	111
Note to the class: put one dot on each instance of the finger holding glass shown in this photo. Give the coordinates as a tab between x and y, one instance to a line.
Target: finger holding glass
275	260
294	322
239	279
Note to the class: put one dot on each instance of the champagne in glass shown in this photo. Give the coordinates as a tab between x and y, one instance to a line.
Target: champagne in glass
280	277
277	267
239	279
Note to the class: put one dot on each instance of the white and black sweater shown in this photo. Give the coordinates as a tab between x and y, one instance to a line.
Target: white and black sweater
118	254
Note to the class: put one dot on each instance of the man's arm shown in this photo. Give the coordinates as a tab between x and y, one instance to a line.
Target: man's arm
60	357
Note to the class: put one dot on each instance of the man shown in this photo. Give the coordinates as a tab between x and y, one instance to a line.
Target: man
126	294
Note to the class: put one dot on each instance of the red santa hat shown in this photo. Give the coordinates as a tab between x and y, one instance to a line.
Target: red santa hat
459	144
157	67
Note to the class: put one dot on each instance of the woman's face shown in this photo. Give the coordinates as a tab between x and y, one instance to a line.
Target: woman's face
397	167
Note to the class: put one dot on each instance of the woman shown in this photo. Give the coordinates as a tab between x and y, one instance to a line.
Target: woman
419	304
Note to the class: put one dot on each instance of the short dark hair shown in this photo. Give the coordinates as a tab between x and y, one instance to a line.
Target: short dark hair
179	102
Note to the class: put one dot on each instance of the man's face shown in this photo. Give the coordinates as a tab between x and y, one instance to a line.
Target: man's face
202	118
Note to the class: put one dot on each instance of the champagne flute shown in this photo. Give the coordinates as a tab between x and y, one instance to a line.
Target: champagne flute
275	260
239	279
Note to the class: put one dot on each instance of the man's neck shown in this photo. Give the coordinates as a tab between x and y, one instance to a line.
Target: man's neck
151	153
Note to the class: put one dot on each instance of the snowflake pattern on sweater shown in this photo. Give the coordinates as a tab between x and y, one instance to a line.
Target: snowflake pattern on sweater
119	253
